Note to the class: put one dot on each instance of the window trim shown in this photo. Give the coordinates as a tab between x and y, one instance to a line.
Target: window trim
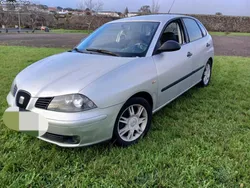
187	30
182	27
201	25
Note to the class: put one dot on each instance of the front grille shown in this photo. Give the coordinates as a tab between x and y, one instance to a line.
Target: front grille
43	103
14	90
61	138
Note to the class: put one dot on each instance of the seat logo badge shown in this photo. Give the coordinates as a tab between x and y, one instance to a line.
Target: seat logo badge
21	100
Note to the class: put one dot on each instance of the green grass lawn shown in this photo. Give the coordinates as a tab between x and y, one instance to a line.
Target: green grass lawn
229	34
202	139
61	31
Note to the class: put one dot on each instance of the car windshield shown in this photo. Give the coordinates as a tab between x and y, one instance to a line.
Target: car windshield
125	39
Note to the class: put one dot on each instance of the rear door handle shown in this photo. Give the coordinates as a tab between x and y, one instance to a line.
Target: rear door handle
189	54
208	45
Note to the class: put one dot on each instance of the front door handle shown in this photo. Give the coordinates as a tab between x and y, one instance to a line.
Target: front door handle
189	54
208	45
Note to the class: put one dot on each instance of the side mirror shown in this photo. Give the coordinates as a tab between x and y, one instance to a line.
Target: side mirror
169	46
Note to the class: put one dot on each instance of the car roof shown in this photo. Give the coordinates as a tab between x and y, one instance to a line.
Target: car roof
153	18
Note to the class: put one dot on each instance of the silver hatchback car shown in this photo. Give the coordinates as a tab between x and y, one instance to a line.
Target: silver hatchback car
110	84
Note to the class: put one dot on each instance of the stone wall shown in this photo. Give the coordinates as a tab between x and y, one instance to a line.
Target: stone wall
211	22
81	22
225	23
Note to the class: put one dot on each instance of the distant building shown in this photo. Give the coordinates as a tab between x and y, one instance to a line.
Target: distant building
82	13
52	9
63	12
108	13
131	14
78	13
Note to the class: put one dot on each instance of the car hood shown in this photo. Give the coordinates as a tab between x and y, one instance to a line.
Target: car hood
65	73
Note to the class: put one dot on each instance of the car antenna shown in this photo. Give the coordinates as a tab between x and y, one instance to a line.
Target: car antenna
171	6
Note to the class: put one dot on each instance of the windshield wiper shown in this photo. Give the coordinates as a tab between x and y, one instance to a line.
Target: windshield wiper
77	50
102	51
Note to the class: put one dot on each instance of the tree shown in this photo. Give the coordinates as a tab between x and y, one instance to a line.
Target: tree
88	12
155	8
145	9
126	11
93	5
218	13
44	7
6	18
69	9
59	8
11	6
80	5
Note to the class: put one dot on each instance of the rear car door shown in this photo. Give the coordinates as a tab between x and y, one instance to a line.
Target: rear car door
201	44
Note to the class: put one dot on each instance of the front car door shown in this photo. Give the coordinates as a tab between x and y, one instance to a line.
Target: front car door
173	68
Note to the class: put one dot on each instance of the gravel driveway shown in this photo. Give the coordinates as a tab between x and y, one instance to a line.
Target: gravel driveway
224	45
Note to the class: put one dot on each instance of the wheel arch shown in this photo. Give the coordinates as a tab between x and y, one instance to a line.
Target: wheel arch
146	96
212	60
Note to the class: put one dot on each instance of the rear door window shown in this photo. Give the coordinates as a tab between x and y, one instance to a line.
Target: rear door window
194	31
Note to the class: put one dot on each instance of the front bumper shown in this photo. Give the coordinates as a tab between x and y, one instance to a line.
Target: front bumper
87	128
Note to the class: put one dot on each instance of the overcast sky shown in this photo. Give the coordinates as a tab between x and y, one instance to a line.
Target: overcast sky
226	7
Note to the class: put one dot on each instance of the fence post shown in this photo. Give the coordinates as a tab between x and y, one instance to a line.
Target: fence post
19	22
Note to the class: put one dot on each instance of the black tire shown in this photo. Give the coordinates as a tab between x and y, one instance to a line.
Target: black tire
133	101
205	82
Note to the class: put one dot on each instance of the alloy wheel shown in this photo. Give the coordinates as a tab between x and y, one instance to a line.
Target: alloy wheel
132	122
207	74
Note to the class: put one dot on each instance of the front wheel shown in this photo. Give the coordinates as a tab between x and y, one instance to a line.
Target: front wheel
206	77
132	122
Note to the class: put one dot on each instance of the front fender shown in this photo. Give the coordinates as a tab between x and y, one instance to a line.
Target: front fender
117	86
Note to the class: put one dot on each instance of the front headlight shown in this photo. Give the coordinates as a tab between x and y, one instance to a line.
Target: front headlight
71	103
13	88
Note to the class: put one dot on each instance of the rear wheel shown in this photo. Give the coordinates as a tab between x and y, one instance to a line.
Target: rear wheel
206	77
132	122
